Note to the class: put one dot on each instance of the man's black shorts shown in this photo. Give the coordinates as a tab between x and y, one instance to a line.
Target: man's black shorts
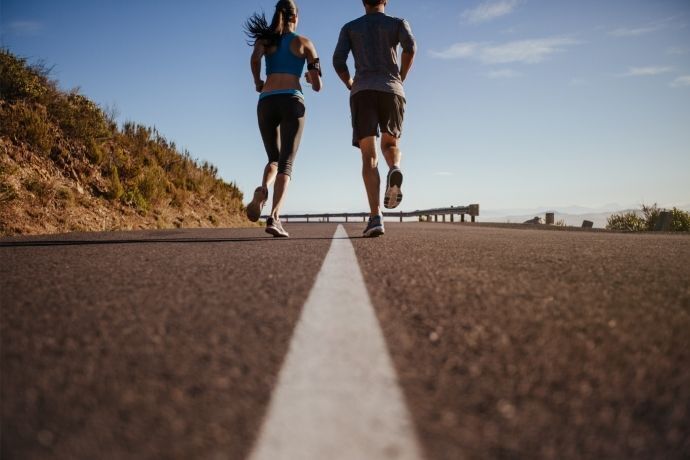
376	111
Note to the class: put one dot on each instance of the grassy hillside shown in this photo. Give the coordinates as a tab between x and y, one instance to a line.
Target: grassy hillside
66	165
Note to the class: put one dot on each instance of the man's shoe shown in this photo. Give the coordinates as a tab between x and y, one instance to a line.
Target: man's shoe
374	227
393	195
254	208
275	228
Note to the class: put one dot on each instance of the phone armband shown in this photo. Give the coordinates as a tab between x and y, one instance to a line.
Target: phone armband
316	65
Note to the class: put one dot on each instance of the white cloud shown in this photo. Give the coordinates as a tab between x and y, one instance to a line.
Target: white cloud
646	71
458	51
488	10
633	32
503	73
520	51
25	27
681	81
643	30
676	51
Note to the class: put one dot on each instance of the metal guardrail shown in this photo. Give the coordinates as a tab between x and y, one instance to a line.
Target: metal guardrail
462	211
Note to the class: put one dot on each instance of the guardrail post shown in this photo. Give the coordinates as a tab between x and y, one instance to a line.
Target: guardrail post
307	219
663	223
474	211
452	217
401	217
462	218
435	217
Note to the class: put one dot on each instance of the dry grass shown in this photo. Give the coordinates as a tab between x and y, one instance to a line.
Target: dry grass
64	157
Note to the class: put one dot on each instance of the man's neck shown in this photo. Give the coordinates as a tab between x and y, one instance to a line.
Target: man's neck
375	9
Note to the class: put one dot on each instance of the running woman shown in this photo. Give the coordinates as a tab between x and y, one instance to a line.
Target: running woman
281	109
377	98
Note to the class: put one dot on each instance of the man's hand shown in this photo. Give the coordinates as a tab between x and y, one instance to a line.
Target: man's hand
307	77
349	84
259	85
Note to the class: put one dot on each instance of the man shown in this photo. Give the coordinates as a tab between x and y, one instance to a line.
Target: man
377	98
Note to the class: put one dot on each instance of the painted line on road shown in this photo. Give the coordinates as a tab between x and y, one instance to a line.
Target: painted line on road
337	395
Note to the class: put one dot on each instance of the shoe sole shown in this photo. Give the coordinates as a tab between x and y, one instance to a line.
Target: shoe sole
254	208
374	232
393	195
276	233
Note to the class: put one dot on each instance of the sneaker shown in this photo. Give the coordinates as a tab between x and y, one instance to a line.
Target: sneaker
254	208
374	227
393	195
275	228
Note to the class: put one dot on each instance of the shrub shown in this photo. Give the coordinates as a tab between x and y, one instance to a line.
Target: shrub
78	117
680	221
94	152
20	81
41	189
116	190
7	193
632	222
628	221
27	122
152	185
134	199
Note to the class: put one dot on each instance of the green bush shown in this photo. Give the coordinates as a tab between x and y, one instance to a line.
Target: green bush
628	221
152	185
27	122
632	222
680	221
134	199
19	81
116	190
78	117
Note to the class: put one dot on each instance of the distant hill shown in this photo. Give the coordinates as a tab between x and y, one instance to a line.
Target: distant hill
65	165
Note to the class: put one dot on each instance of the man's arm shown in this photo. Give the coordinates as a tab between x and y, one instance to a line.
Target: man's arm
409	47
342	50
406	64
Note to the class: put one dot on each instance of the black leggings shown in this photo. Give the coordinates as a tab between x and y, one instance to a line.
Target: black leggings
281	121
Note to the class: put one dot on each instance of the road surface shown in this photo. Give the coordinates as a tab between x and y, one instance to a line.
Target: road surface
466	342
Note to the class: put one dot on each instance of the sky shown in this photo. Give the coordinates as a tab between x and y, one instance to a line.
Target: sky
512	104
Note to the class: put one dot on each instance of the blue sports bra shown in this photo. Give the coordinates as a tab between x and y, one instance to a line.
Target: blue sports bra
283	60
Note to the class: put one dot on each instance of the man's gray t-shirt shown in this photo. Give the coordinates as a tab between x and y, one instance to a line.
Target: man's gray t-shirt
373	40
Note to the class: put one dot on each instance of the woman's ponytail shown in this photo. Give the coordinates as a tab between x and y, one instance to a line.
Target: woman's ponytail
258	29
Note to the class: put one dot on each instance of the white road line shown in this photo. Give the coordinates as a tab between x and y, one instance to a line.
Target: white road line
337	396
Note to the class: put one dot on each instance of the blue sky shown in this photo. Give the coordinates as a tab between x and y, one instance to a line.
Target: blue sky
511	103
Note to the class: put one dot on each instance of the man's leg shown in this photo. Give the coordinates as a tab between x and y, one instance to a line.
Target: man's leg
370	173
391	150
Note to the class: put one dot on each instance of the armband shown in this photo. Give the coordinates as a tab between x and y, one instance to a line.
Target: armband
316	65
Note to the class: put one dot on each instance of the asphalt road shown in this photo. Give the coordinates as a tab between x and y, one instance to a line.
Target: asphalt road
507	343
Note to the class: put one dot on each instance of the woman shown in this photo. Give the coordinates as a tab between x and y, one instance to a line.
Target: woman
281	102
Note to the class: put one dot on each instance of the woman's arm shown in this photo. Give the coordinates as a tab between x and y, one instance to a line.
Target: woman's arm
255	64
313	74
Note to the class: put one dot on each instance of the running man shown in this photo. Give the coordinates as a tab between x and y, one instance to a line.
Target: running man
377	98
281	111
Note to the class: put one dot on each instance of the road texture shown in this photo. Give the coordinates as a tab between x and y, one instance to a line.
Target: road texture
537	344
507	343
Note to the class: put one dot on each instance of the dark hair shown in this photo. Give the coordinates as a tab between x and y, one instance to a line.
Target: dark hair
372	2
257	27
